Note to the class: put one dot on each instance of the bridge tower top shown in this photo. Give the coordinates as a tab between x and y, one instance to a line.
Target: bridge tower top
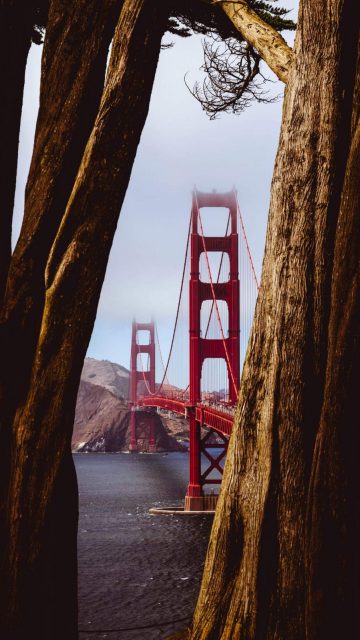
228	347
139	345
214	199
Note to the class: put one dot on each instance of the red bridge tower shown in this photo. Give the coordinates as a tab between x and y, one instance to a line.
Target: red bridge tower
147	377
201	348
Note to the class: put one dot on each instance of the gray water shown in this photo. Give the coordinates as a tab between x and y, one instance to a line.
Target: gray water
136	569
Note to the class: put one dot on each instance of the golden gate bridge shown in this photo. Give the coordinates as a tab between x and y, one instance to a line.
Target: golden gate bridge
201	377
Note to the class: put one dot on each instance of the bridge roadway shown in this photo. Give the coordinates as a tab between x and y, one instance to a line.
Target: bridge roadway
207	415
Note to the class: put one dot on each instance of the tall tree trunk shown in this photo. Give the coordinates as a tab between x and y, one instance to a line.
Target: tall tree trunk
71	89
283	560
69	101
17	25
41	498
68	105
333	519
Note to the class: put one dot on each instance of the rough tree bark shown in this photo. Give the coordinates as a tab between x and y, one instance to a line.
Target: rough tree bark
68	106
41	496
283	560
17	25
268	42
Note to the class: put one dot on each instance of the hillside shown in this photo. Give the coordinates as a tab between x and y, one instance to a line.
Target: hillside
102	415
106	374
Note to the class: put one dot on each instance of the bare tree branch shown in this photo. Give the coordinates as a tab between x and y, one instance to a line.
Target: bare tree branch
270	45
233	78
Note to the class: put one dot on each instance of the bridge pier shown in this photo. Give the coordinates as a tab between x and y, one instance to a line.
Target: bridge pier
201	503
152	439
194	487
195	499
133	440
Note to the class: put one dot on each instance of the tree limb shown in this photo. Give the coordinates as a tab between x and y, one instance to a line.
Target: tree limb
265	39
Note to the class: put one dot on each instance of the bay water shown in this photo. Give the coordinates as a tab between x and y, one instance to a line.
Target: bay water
139	574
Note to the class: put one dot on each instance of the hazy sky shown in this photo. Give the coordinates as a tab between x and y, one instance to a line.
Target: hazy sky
180	147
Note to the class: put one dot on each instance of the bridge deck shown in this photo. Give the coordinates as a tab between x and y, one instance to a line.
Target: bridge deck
207	415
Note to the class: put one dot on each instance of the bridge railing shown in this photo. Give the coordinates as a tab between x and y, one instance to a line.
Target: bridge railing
220	407
208	416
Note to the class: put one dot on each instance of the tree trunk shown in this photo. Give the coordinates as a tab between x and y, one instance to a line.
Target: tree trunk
41	499
17	25
283	559
69	101
68	105
333	518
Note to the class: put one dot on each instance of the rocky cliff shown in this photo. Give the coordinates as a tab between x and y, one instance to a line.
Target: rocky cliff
109	375
102	416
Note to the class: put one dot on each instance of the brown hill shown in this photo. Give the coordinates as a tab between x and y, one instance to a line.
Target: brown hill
106	374
102	419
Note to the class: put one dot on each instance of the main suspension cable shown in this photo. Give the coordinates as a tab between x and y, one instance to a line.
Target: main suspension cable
178	306
161	356
246	243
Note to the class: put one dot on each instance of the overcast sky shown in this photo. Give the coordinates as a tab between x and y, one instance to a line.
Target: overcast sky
180	147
